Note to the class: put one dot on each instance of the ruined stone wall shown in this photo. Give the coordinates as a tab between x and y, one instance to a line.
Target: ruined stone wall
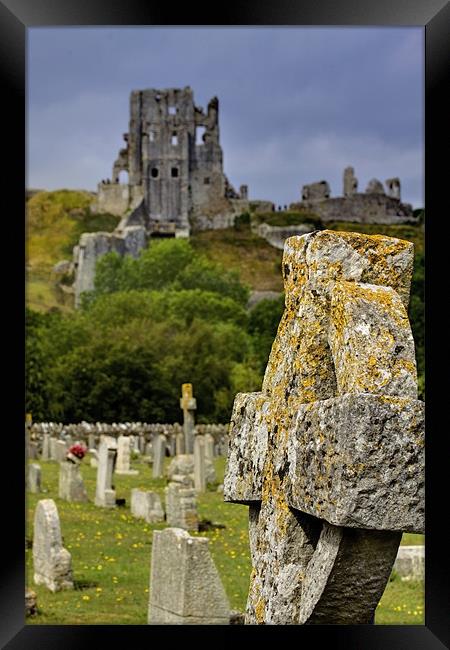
113	198
92	246
360	208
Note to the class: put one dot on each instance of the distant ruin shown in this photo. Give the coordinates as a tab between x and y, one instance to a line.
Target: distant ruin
176	182
174	163
375	205
176	186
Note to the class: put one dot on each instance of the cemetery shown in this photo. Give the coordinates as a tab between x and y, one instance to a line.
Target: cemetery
293	513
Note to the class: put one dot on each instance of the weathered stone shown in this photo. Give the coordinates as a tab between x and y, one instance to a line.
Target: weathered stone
146	505
45	447
371	206
159	454
123	456
105	494
410	562
52	562
329	443
183	466
71	486
393	188
181	507
60	451
185	587
199	464
34	478
33	450
375	187
53	447
350	182
93	461
209	446
189	404
316	191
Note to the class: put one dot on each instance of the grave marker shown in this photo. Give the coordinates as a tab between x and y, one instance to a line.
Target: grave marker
329	455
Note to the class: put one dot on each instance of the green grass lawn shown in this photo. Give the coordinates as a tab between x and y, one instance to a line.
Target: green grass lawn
111	554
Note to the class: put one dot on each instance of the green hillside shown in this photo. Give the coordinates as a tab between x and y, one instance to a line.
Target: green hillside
54	223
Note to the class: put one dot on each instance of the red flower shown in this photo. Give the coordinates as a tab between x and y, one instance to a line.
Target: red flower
78	450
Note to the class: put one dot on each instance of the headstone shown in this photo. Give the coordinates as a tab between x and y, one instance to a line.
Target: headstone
199	464
185	587
181	507
105	494
93	461
141	444
189	404
159	454
148	449
53	445
52	562
410	562
34	478
91	441
45	447
33	450
123	456
71	486
329	455
60	450
209	446
146	505
181	470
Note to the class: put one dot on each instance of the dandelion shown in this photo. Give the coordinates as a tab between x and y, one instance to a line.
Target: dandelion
99	567
99	589
86	598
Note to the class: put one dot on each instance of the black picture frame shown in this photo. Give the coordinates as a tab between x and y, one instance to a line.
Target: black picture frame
18	15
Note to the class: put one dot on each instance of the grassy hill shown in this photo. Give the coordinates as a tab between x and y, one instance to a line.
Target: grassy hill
55	221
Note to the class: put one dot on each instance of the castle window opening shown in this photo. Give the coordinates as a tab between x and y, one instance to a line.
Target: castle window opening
154	172
152	136
174	172
199	132
174	138
123	177
172	110
206	180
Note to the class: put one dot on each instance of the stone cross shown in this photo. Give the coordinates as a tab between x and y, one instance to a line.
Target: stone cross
52	562
329	455
189	404
105	495
185	587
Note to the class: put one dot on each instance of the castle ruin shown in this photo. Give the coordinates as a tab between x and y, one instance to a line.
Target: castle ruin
174	163
176	185
375	205
176	182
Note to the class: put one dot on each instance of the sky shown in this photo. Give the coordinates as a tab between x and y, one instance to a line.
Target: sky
296	104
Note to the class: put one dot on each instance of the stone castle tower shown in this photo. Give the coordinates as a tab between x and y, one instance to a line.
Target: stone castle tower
172	171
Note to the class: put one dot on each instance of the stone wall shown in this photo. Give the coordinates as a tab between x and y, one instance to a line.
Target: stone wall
92	246
113	198
360	208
